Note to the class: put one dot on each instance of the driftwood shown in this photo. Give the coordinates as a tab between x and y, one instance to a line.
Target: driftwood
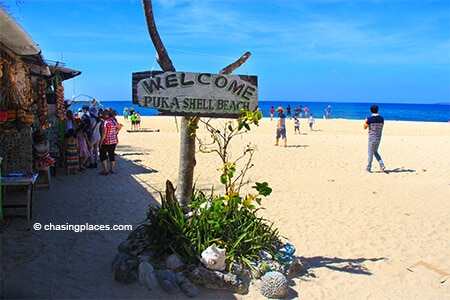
170	194
143	130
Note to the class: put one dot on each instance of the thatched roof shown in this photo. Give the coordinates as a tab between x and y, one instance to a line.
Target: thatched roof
17	40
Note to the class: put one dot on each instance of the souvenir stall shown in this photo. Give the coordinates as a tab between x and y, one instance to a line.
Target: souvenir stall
31	101
31	107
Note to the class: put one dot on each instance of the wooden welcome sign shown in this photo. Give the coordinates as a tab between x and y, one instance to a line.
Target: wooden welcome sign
199	94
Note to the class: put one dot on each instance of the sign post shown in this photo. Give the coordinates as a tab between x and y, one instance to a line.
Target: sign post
195	94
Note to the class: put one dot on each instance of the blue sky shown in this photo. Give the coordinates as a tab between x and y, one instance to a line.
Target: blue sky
334	51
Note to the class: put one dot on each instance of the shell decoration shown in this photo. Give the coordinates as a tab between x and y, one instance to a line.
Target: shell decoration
274	285
213	258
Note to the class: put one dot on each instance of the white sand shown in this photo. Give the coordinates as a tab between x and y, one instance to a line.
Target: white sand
358	233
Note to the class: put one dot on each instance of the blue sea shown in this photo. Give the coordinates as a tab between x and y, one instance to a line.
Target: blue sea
340	110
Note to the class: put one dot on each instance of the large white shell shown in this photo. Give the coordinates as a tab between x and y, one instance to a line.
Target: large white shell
213	258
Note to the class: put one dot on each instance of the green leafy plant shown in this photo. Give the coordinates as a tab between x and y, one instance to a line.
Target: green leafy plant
220	143
228	221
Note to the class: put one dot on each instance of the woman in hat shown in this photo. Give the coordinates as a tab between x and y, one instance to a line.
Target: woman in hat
281	126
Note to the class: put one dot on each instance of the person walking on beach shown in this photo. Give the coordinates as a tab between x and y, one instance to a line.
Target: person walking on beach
272	112
296	110
281	126
328	112
133	120
306	112
311	122
288	111
138	120
125	114
375	125
296	125
108	143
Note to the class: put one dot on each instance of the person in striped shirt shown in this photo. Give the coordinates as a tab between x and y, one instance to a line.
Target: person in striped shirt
375	125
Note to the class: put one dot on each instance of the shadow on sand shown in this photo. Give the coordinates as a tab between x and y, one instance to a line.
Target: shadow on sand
297	146
397	170
349	265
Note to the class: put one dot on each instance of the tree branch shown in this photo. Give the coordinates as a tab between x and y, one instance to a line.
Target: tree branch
161	54
230	68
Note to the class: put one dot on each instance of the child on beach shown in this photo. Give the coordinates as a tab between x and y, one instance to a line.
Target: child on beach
125	114
272	112
138	120
133	120
311	121
84	145
71	152
296	125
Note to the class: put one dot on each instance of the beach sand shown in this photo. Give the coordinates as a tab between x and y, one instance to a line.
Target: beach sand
358	233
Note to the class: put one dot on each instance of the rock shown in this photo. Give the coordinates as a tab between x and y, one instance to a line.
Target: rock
273	265
170	287
262	267
138	234
146	255
266	255
119	257
133	247
125	268
166	275
274	285
174	263
123	247
295	269
189	288
147	276
238	270
167	280
136	242
218	280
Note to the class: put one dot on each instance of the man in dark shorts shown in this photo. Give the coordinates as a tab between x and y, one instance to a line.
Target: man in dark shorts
375	125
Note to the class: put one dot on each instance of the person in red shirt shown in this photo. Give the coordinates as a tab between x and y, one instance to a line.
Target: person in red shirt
108	142
272	112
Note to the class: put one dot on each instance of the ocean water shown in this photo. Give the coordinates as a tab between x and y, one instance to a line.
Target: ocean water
340	110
